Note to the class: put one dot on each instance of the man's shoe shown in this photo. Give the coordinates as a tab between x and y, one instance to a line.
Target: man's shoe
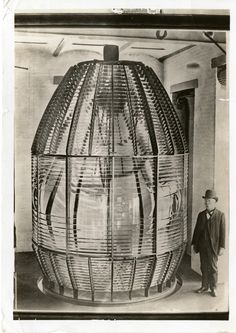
213	293
201	290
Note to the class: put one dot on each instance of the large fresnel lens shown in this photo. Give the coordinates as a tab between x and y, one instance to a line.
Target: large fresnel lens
109	183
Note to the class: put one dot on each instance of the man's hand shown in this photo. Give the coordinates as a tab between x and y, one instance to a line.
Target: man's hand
195	248
221	251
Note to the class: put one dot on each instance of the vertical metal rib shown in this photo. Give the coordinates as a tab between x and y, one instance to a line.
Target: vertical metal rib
166	268
76	204
48	275
56	273
113	164
141	213
91	278
112	205
134	142
147	114
148	118
185	193
151	276
161	112
38	198
110	175
68	181
182	248
40	261
74	121
94	112
156	202
50	204
69	91
112	276
109	249
133	136
112	109
72	278
69	148
174	116
132	278
68	185
70	145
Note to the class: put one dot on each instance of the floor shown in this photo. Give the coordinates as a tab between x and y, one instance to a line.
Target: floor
28	298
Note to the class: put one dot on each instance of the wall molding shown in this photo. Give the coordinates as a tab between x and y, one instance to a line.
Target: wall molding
184	86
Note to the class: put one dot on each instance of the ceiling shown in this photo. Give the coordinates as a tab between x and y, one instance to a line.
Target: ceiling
160	44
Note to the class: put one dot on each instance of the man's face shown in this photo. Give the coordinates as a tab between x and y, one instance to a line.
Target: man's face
210	204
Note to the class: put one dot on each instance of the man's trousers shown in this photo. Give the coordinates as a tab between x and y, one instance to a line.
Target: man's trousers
208	261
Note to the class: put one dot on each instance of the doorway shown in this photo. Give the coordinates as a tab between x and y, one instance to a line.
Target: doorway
183	101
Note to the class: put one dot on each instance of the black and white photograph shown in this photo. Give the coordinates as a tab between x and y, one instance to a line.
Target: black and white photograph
121	164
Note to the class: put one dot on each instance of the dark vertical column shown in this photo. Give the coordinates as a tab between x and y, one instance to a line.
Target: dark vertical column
132	278
185	172
69	148
150	126
91	278
112	276
147	113
68	171
91	132
38	199
112	201
112	224
72	278
41	259
35	248
151	276
161	284
156	206
178	261
56	273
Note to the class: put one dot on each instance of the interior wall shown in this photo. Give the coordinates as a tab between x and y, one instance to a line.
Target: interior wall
222	165
33	90
195	63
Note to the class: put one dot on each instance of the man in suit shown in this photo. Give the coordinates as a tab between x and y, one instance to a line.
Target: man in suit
209	241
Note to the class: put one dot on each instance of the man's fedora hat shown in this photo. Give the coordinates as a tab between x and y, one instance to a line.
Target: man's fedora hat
210	194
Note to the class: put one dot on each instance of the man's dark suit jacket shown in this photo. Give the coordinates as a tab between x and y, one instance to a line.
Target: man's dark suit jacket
216	230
